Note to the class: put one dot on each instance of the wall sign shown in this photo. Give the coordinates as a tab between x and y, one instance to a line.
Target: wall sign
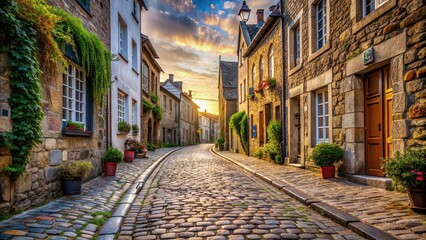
254	131
368	56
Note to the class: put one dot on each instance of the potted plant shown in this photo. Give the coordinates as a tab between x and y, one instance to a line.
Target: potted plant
123	127
221	142
142	150
325	155
112	157
131	146
75	129
408	173
72	173
135	129
270	83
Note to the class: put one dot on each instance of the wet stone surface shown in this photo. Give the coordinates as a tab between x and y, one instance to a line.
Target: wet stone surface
197	195
72	217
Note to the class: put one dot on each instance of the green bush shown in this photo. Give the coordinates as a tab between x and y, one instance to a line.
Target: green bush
271	149
158	112
220	140
407	170
151	147
123	126
147	105
75	170
135	128
238	122
274	131
113	155
154	98
327	154
244	130
234	121
278	159
259	153
168	145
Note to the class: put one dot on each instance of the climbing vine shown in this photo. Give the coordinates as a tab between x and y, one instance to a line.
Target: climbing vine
35	36
25	98
238	122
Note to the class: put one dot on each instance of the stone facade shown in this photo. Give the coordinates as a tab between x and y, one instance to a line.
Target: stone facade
170	122
40	182
151	86
396	33
188	120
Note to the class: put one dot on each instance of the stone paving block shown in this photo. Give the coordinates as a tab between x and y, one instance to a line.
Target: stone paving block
337	215
369	231
106	237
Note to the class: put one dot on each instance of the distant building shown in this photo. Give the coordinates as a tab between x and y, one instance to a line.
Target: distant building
188	119
170	123
208	124
150	74
228	98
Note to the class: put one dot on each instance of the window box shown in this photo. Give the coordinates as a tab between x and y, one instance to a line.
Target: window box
122	133
76	133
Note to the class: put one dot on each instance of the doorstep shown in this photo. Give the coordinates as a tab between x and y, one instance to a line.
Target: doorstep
378	182
296	165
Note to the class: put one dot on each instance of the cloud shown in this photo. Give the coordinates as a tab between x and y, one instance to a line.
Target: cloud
229	5
211	6
183	6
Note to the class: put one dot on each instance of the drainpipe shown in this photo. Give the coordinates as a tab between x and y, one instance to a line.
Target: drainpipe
283	99
248	111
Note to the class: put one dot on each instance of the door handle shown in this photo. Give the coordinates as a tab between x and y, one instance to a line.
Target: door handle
380	127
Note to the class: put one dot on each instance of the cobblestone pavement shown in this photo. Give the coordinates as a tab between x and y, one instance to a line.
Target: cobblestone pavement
77	217
198	195
386	210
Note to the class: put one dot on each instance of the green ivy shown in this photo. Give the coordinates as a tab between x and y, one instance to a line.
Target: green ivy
25	98
147	105
158	112
238	122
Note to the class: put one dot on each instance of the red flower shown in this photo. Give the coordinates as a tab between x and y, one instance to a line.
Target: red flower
419	178
412	171
419	173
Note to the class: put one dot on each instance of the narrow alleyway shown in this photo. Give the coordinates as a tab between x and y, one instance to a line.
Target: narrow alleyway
196	194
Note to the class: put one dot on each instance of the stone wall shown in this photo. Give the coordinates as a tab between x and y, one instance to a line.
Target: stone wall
396	31
269	96
41	182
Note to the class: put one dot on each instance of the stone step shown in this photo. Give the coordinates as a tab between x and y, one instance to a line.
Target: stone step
378	182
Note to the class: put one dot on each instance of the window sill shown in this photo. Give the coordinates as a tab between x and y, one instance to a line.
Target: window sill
76	133
123	57
319	52
361	23
134	70
122	133
294	69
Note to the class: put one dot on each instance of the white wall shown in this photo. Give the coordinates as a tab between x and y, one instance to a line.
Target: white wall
124	78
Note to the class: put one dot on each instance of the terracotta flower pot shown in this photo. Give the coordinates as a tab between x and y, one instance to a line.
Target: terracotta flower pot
129	156
328	172
110	168
417	198
71	186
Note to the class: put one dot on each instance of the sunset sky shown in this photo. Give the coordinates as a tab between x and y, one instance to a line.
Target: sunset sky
189	36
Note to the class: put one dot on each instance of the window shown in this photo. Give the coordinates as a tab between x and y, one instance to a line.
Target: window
122	38
164	102
294	42
241	56
245	90
145	80
296	46
85	4
134	56
260	69
271	62
321	118
241	92
121	107
74	94
253	74
321	23
135	11
369	6
134	112
170	105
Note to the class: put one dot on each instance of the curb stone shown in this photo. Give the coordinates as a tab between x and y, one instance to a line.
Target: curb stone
343	218
113	223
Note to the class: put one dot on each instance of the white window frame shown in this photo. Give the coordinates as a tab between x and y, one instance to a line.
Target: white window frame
377	4
134	55
245	90
122	37
135	10
321	7
253	75
271	62
121	107
261	69
74	94
322	95
145	77
297	46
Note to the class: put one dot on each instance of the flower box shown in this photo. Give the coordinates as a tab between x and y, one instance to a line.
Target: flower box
68	132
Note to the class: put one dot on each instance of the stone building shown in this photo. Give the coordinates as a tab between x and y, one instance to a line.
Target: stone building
40	183
356	76
228	99
175	88
125	97
151	71
188	120
208	127
263	61
170	122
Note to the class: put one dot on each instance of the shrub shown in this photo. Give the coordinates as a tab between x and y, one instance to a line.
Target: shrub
326	154
123	126
75	170
238	122
234	121
135	128
168	145
407	170
274	131
154	98
158	112
151	147
271	150
278	159
113	155
244	136
259	153
147	105
220	140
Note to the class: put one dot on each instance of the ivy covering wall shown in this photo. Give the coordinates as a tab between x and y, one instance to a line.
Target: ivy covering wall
239	123
35	37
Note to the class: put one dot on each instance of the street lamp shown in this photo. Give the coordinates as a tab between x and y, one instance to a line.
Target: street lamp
244	12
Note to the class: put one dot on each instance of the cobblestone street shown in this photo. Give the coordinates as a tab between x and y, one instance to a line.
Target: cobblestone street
75	217
198	195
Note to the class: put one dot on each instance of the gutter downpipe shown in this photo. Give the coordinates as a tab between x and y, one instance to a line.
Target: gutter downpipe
283	99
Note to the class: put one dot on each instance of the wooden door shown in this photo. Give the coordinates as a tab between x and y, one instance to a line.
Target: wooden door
378	120
261	128
268	117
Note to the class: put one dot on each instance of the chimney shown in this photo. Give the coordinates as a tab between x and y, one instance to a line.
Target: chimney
171	77
190	93
260	18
